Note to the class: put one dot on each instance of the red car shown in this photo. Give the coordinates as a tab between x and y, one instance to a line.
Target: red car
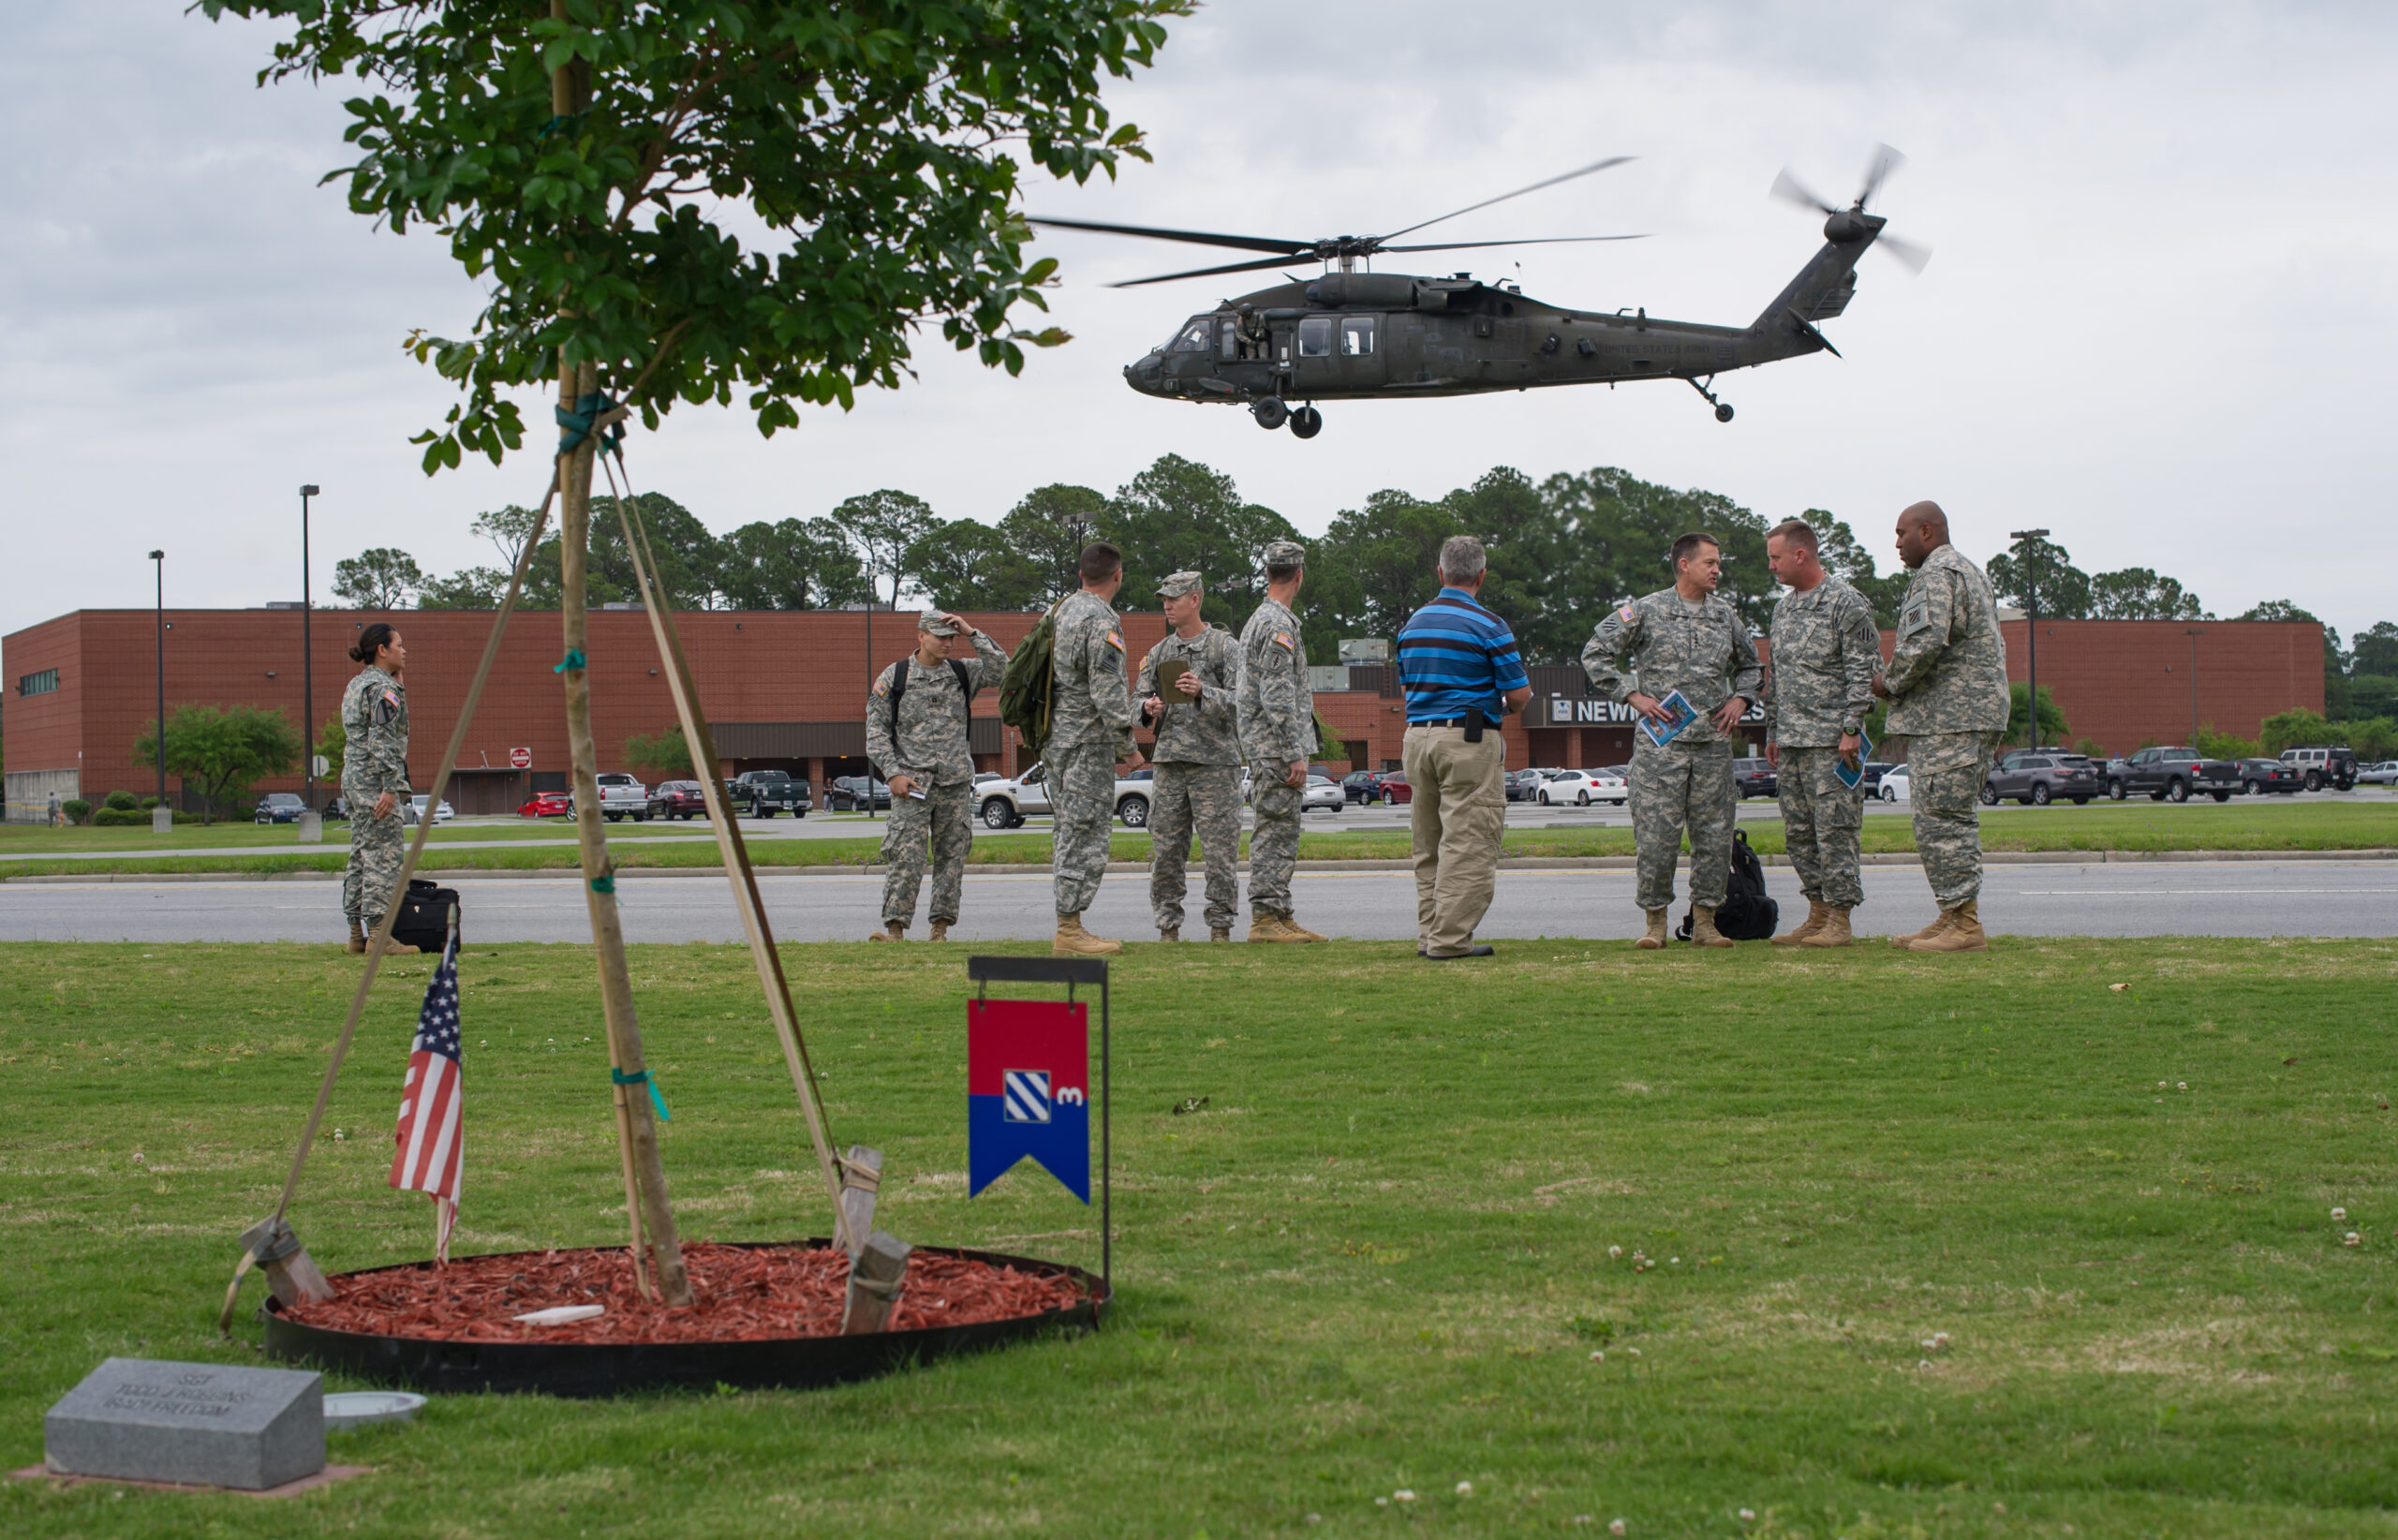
1395	787
547	805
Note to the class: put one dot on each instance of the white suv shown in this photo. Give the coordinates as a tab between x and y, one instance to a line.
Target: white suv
1006	803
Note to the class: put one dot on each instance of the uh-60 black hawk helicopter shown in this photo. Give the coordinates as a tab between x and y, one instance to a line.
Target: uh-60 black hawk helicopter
1351	335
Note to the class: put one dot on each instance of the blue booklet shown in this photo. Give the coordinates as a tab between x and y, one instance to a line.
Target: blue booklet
1849	775
1682	714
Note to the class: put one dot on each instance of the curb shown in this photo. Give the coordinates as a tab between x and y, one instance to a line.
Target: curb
1506	863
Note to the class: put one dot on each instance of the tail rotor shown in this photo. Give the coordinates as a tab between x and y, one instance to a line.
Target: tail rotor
1853	223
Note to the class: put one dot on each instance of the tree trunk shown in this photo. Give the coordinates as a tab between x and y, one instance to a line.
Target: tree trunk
634	1122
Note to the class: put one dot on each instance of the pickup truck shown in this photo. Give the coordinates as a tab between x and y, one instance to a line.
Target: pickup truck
2171	774
762	794
1006	803
621	796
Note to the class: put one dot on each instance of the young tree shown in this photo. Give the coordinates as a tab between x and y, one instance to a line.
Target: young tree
378	579
2018	720
2063	588
220	750
578	157
666	754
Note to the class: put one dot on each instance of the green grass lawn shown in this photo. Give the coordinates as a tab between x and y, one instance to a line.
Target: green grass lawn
2370	823
1382	1258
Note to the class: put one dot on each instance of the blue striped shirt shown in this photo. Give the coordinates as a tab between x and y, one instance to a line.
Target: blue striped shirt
1456	657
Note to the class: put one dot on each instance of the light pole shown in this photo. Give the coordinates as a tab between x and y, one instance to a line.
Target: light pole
2032	625
2192	633
162	817
307	662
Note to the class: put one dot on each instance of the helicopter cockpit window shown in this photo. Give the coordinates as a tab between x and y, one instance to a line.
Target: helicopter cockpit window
1315	336
1194	336
1357	336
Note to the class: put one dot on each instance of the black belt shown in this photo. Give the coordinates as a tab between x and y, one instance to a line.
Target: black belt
1473	724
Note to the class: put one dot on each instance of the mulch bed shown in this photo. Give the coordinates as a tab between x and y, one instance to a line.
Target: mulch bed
745	1295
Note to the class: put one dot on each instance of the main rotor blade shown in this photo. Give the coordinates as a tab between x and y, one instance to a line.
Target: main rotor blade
1791	189
1885	161
1914	256
1258	266
1533	241
1204	238
1594	166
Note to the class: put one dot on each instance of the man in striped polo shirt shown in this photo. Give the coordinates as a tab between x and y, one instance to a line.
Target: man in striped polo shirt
1462	673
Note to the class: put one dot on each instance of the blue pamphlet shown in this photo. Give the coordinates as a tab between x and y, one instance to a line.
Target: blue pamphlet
1849	775
1681	711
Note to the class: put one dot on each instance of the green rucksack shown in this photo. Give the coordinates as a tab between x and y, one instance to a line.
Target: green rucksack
1029	683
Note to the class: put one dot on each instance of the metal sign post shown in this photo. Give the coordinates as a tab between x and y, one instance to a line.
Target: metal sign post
1070	971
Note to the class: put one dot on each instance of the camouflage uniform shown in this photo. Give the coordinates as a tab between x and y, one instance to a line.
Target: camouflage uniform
929	744
1277	726
1651	646
374	759
1091	728
1947	683
1826	648
1198	777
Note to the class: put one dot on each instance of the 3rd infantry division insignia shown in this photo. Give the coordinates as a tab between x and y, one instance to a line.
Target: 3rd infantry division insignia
1027	1096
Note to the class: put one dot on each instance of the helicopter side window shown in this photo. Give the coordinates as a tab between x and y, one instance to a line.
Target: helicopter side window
1315	336
1357	336
1229	343
1194	336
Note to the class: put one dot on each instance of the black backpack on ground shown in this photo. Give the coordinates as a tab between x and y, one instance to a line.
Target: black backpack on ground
424	916
1746	914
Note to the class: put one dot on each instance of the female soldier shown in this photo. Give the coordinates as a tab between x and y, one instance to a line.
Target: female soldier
374	777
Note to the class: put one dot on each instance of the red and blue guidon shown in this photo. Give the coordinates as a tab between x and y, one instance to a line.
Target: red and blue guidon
1027	1090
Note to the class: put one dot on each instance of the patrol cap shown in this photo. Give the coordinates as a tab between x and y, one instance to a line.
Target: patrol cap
1284	553
934	623
1175	585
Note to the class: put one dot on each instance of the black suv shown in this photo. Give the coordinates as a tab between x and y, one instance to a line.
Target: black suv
1755	779
2038	777
850	794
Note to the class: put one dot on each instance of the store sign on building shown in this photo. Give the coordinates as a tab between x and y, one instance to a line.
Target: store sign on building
1565	712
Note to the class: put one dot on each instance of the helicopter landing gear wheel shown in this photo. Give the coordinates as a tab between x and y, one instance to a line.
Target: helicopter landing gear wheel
1723	413
1306	422
1271	412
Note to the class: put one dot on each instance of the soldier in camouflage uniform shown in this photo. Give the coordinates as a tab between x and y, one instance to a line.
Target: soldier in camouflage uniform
373	778
1277	734
1826	652
1091	729
1197	755
920	748
1683	638
1947	685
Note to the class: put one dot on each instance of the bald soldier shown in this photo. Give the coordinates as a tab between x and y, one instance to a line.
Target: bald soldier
1947	685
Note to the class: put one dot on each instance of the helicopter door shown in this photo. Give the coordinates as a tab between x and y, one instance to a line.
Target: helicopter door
1361	364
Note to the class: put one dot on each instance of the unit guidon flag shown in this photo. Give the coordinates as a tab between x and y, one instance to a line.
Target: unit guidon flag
1027	1090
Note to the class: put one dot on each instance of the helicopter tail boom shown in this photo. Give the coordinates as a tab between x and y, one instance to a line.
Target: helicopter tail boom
1821	290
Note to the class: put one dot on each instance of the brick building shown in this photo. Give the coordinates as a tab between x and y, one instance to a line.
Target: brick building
786	689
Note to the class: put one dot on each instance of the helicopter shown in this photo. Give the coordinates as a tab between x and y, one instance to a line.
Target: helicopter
1358	336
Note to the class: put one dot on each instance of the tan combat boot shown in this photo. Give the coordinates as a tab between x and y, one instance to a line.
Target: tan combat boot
1812	923
1268	927
891	931
1297	931
1169	933
1939	924
1835	931
357	936
1963	932
1075	941
1654	939
1702	927
939	931
1220	933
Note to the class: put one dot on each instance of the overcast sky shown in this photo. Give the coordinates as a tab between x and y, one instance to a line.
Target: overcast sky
2158	321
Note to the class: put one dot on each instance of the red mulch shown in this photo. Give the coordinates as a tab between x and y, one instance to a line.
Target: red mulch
745	1295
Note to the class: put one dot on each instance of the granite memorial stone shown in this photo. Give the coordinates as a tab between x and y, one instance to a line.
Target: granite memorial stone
205	1425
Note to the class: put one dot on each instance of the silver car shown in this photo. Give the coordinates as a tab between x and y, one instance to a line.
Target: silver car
1322	795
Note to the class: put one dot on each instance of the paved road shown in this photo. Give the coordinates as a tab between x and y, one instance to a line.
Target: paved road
2227	898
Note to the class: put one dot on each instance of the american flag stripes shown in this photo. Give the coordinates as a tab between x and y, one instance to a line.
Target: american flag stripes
430	1157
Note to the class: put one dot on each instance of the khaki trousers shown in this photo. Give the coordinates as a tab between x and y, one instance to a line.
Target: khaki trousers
1458	813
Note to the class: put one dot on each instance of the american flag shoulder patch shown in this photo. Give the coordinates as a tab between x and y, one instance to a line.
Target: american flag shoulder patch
1624	615
1116	640
882	685
1283	638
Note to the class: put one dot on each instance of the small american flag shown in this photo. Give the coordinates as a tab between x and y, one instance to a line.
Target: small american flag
430	1157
